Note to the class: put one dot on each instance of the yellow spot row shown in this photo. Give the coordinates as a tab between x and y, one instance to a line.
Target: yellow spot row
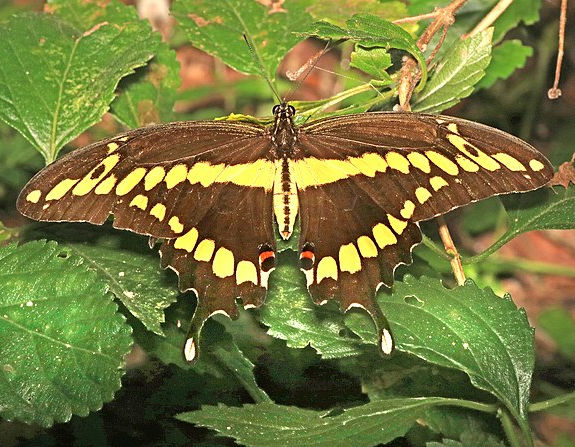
349	257
223	262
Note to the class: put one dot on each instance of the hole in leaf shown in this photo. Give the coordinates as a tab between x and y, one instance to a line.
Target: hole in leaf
412	300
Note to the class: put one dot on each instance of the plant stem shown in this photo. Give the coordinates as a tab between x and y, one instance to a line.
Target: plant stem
435	248
511	432
550	403
500	265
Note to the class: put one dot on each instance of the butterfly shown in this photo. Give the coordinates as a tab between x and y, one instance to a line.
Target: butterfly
215	191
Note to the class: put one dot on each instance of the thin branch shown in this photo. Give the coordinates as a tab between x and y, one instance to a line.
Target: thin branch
444	18
429	15
450	248
490	18
555	92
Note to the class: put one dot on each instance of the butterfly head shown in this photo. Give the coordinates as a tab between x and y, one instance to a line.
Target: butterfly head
283	111
284	133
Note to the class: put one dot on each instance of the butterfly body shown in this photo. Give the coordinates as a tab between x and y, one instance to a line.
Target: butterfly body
212	190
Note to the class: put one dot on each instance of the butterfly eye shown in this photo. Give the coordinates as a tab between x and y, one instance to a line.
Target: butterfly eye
275	109
291	109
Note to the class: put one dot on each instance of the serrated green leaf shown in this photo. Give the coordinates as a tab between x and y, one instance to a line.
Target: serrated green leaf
62	342
461	67
148	95
268	424
466	328
544	209
218	28
374	62
560	326
291	315
56	81
505	59
371	31
124	262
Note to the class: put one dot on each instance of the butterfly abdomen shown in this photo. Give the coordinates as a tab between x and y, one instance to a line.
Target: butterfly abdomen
286	203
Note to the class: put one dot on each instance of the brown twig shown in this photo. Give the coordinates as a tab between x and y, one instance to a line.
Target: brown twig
429	15
444	17
451	250
555	92
491	17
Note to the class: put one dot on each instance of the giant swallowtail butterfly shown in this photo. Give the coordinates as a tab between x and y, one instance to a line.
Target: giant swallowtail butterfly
210	191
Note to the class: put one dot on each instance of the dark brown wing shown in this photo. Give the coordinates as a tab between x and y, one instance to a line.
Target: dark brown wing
364	181
205	187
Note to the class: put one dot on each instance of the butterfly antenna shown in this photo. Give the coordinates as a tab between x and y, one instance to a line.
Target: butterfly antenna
304	71
260	64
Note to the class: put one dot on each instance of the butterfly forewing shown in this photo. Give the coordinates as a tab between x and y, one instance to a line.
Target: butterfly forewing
365	181
204	187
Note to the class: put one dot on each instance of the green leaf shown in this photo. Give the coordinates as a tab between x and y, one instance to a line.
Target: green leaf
374	62
62	342
269	424
220	357
218	28
461	67
371	31
338	11
125	263
470	439
18	159
56	81
560	326
526	11
291	314
544	209
85	14
506	58
466	328
146	96
455	423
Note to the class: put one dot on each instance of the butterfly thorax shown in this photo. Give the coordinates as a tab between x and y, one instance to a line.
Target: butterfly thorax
284	137
284	132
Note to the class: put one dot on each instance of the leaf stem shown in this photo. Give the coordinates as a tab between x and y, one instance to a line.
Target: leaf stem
511	432
434	248
500	265
550	403
484	254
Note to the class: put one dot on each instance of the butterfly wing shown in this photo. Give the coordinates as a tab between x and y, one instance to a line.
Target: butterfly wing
364	181
204	187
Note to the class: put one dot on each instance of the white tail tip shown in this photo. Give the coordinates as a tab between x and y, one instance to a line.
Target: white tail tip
386	342
190	351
